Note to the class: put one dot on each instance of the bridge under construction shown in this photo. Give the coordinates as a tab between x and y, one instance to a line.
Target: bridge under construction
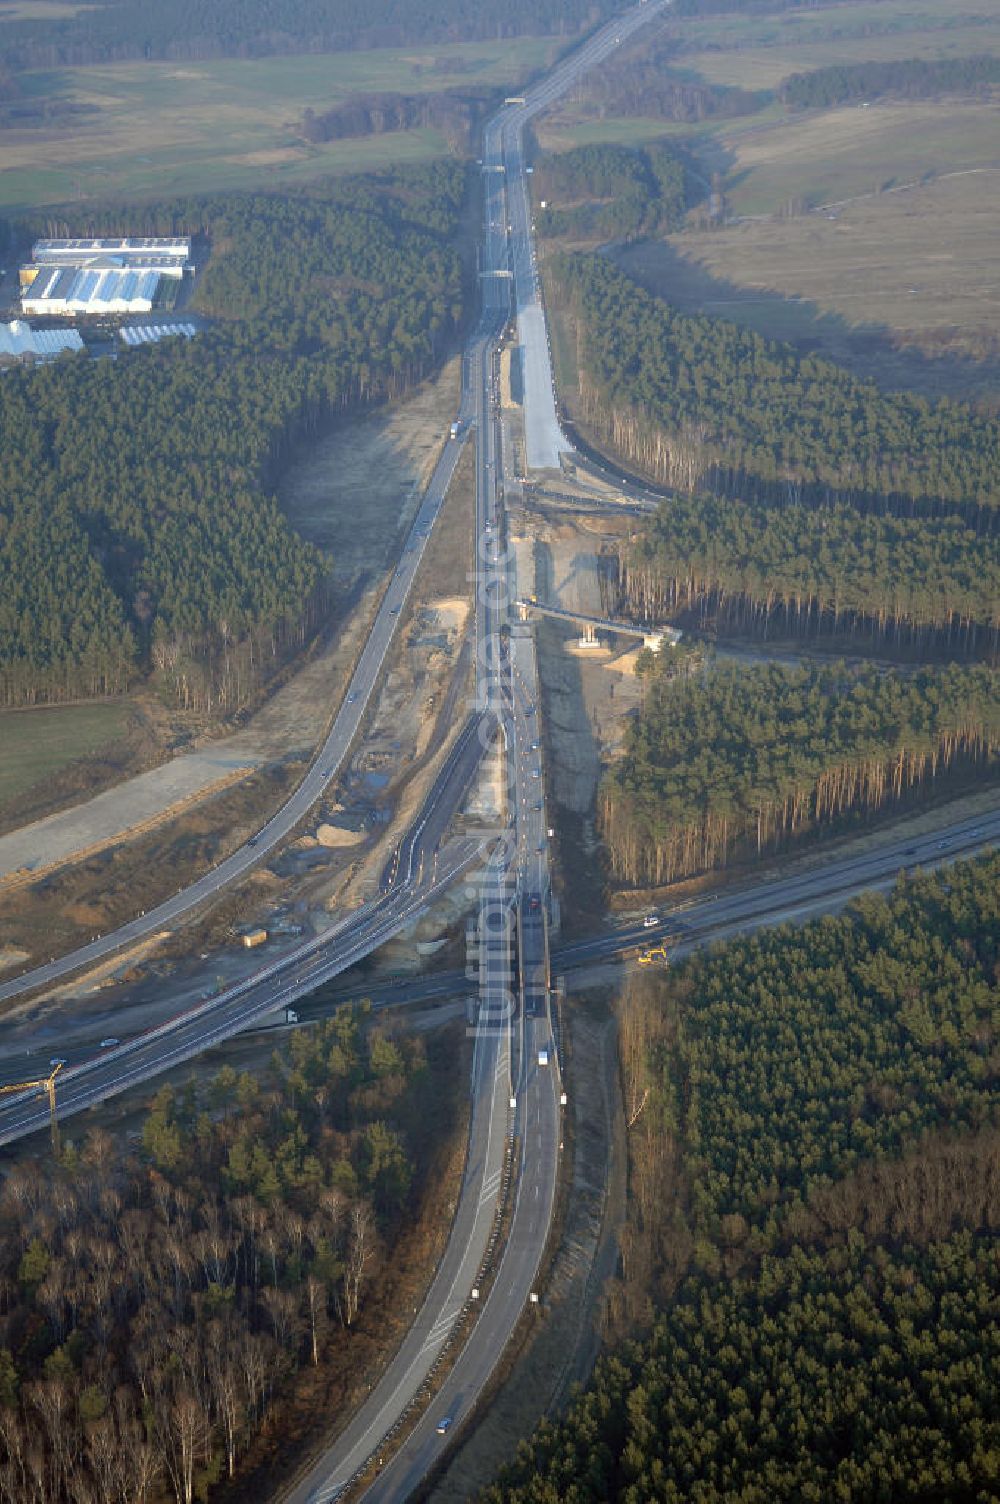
653	637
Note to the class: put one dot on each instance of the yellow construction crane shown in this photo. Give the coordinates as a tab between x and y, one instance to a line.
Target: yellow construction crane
49	1087
655	953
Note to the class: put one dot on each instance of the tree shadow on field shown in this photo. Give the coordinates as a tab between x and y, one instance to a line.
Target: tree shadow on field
872	351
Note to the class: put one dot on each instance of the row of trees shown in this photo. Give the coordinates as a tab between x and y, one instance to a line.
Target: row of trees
702	404
19	110
811	573
741	7
813	1205
62	627
144	29
456	113
903	78
426	196
639	81
750	758
610	191
137	524
156	1307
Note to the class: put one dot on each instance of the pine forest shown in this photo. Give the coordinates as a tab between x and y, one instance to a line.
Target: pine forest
916	584
744	760
138	530
701	404
807	1297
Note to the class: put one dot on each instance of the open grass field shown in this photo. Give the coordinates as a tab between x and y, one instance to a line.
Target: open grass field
164	128
36	744
560	130
888	287
758	51
870	234
766	67
39	10
836	155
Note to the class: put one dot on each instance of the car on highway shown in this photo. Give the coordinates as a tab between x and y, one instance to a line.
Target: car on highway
327	773
252	840
444	1424
351	699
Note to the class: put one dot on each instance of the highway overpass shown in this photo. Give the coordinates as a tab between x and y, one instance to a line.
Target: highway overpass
654	637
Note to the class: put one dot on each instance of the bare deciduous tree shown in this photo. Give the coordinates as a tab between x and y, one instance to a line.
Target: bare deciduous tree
360	1251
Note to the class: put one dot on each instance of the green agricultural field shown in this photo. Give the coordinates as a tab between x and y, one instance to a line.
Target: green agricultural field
843	154
561	133
162	173
766	67
163	128
758	51
36	744
885	285
39	10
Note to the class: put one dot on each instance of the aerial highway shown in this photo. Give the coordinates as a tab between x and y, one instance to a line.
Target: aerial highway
545	441
276	986
428	830
515	885
758	900
422	854
450	1293
480	1289
777	895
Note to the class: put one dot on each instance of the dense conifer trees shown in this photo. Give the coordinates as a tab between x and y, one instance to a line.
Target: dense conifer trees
814	1201
704	405
746	759
610	191
137	528
796	571
253	28
910	78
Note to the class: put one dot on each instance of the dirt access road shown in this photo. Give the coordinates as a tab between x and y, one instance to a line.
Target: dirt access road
351	496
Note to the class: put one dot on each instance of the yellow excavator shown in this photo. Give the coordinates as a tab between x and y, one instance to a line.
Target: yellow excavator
655	953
